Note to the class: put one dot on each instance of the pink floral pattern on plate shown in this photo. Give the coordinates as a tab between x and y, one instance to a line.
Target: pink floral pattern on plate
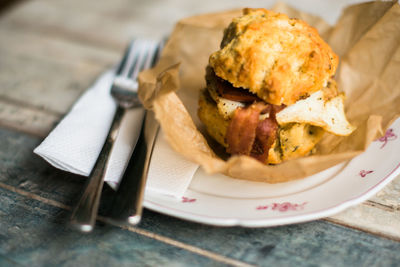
188	200
389	136
283	207
364	173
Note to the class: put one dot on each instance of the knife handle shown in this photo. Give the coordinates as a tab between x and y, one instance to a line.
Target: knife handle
127	204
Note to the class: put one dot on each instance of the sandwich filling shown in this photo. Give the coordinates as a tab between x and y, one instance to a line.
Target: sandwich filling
272	133
248	135
253	126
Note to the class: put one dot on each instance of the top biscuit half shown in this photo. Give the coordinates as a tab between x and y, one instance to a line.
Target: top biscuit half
280	59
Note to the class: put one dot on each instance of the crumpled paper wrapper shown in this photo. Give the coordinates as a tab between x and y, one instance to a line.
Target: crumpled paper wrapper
367	40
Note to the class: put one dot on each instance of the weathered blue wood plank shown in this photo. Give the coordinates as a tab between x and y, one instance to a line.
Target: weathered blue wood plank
21	168
6	262
34	234
309	244
312	243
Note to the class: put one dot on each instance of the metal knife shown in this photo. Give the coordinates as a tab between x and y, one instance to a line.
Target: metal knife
127	206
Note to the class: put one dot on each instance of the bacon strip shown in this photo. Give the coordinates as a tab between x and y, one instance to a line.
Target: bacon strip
226	90
236	94
265	137
247	135
241	132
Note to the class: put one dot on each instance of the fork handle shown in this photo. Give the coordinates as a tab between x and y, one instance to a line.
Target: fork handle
84	214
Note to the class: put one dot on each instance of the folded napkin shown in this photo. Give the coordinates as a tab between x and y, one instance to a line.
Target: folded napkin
77	140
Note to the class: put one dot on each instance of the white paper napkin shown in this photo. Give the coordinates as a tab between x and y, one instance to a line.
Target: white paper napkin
77	140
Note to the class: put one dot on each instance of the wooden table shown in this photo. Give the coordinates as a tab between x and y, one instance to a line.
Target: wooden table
50	52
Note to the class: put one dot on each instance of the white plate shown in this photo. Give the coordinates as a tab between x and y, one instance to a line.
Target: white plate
220	200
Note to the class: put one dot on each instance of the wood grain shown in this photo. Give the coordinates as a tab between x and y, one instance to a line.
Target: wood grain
46	72
373	218
54	50
34	121
36	235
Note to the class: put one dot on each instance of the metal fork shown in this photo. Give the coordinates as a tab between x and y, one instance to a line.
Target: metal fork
138	56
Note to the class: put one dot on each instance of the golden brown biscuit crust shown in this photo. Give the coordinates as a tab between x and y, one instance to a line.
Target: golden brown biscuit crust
280	59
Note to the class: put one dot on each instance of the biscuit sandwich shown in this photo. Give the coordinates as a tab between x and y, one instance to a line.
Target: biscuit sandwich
270	91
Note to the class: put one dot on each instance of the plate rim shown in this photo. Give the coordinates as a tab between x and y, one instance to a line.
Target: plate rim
281	220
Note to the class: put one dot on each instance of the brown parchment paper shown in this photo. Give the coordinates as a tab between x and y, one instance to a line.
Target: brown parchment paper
367	39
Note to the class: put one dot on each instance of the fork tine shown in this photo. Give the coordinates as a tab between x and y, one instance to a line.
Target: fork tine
146	54
150	54
124	60
157	53
142	55
163	43
141	59
139	55
134	49
138	51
